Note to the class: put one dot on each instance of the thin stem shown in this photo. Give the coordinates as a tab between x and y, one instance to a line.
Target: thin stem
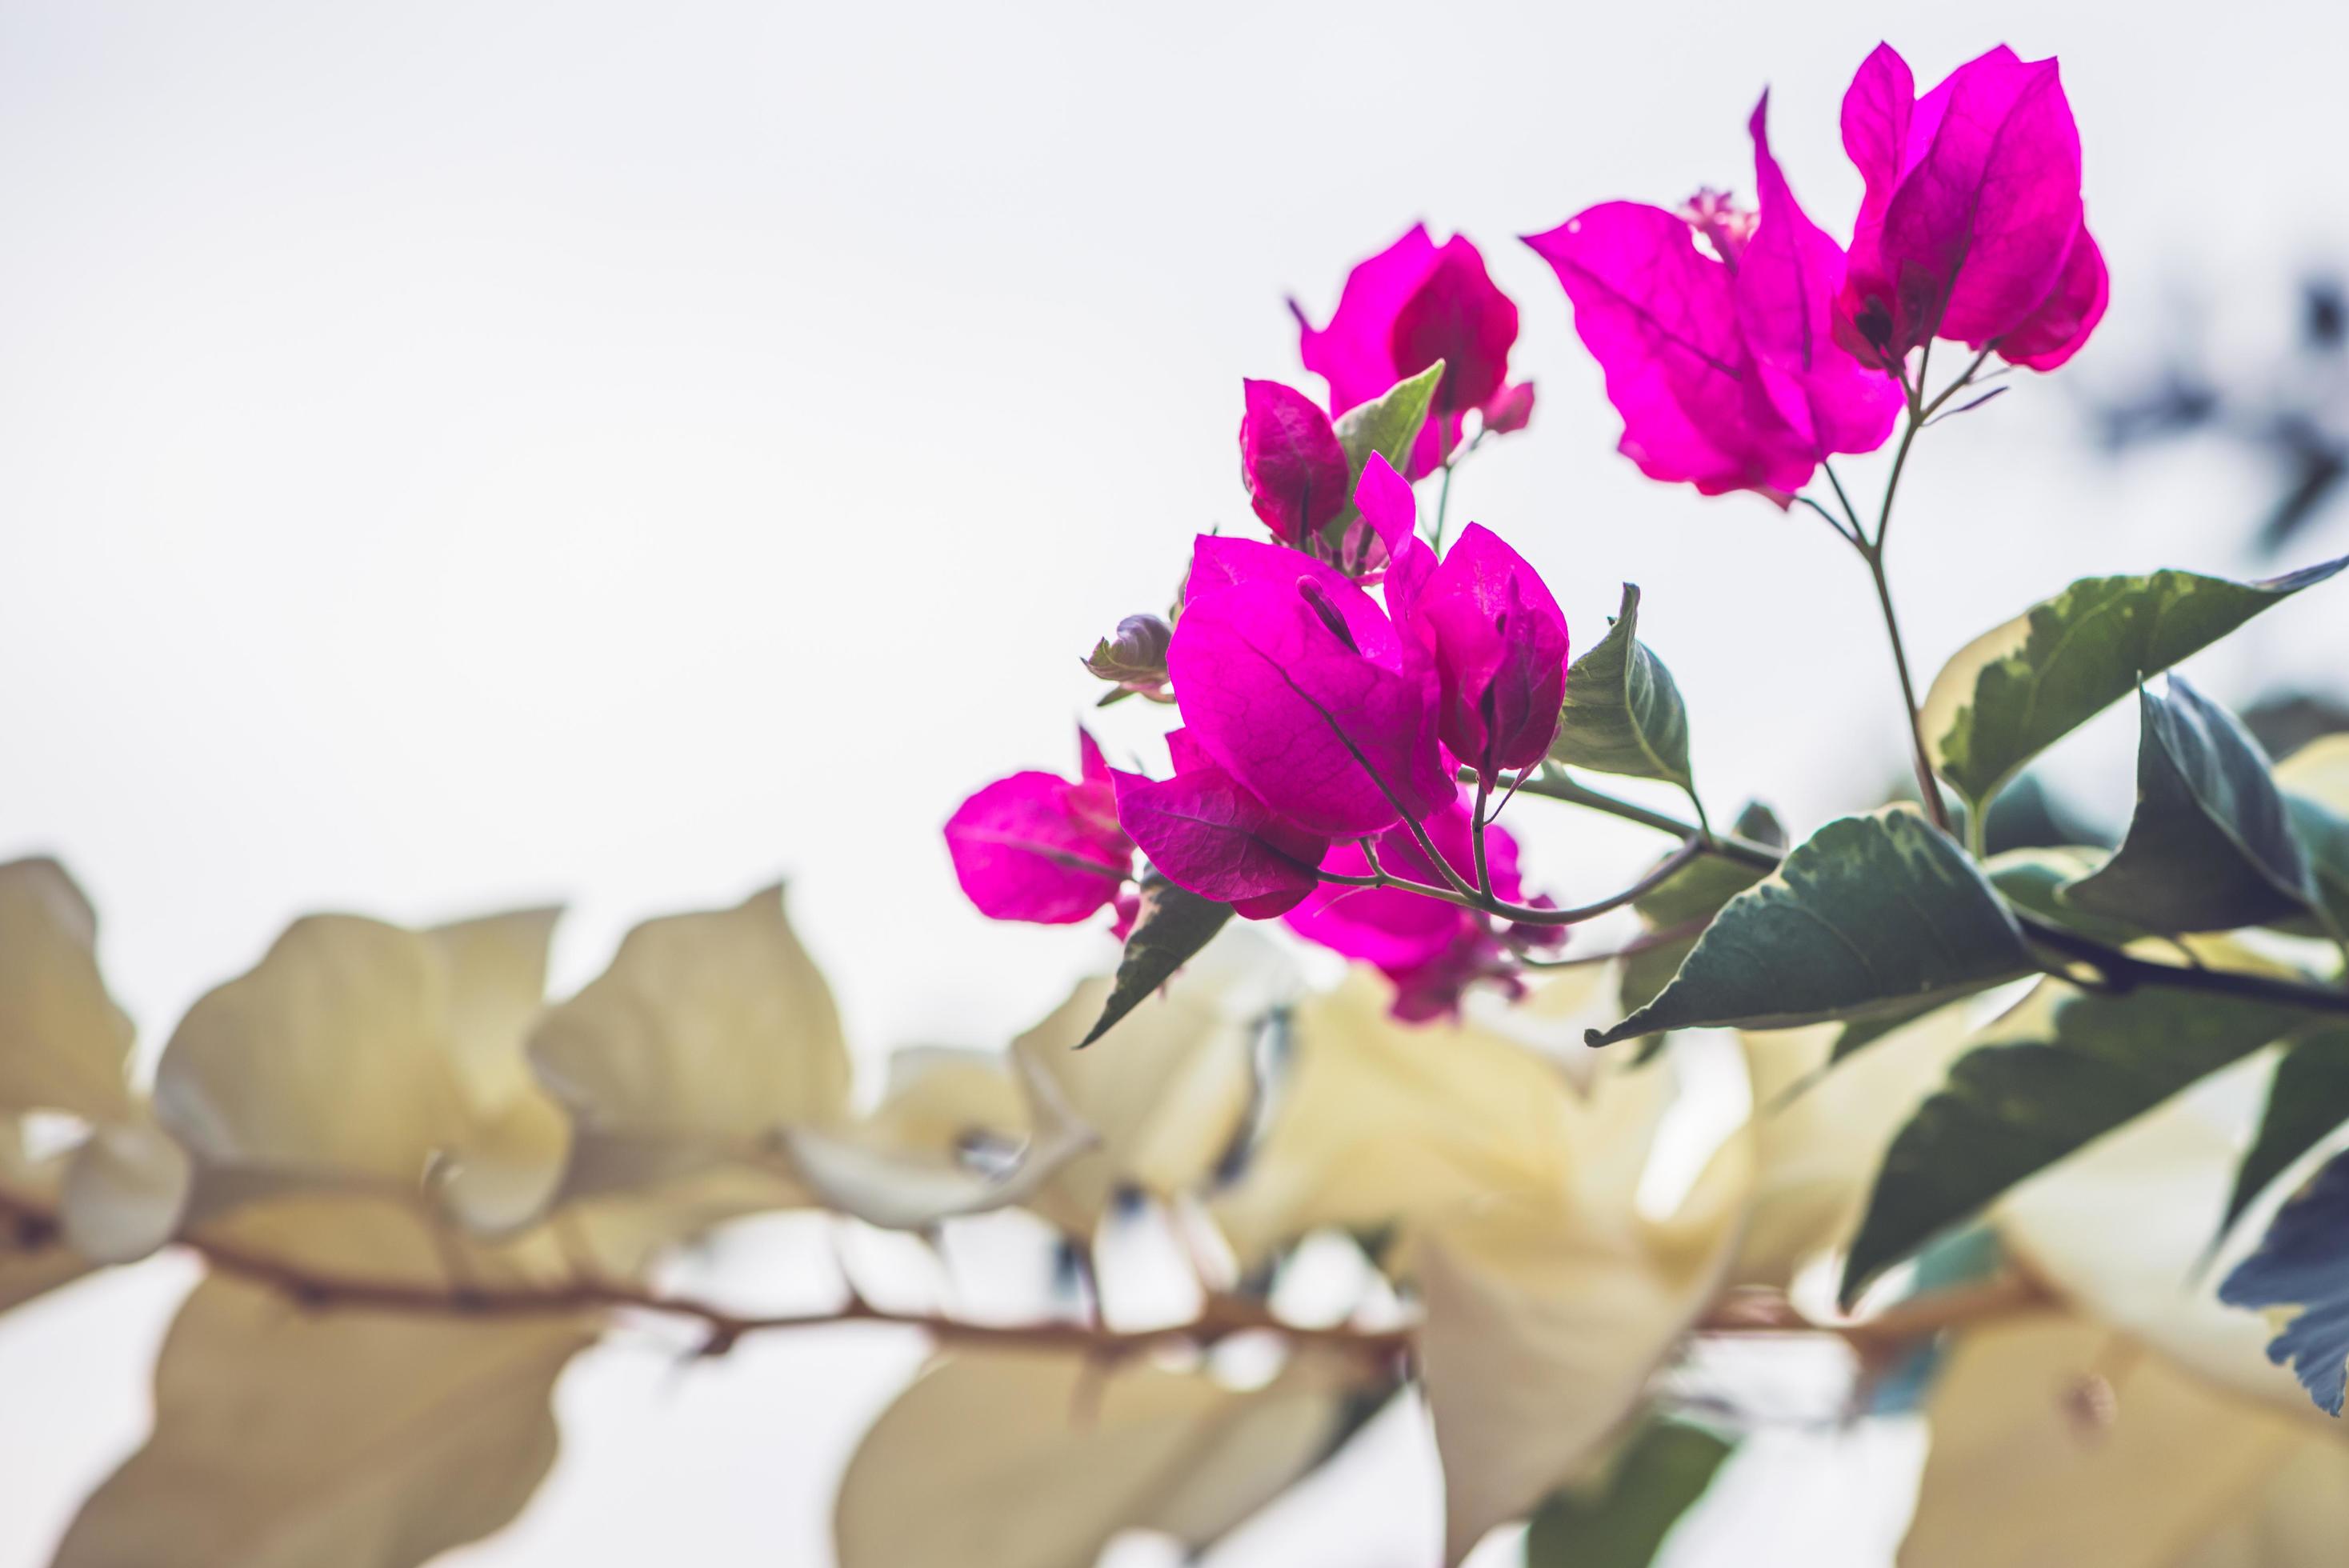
1842	495
1927	788
1220	1316
1526	913
2122	972
1829	518
1665	937
1442	507
1484	796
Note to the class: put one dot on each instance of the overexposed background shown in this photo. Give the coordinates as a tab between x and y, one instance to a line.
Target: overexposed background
454	456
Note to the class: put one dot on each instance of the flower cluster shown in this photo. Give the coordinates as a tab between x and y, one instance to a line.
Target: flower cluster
1338	682
1746	367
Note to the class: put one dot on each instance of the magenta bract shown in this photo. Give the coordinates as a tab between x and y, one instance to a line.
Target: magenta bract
1041	848
1500	646
1430	950
1295	470
1208	832
1725	368
1971	228
1413	304
1293	681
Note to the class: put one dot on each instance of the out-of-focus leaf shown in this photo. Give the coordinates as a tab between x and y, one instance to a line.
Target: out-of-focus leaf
2307	1099
2284	725
358	1056
1036	1460
1623	712
709	1035
1167	1099
913	1190
2059	1071
287	1438
2121	1230
1379	1123
2302	1266
2055	1445
1877	914
1547	1313
125	1192
1620	1519
2296	1518
1819	1135
2020	686
2211	847
34	1257
1174	926
63	1042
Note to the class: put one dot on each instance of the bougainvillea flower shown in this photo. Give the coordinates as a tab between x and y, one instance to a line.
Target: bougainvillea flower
1293	681
1500	646
1413	304
1726	367
1295	470
1972	226
1432	950
1039	847
1208	832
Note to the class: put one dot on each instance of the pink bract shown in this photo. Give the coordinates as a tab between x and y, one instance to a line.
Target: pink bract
1291	461
1972	226
1038	847
1293	681
1208	832
1400	311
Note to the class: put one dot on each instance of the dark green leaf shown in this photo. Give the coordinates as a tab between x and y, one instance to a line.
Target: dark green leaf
2073	1066
1623	713
2324	838
2300	1273
1173	925
2210	847
1688	898
2015	690
1873	914
2308	1097
1622	1521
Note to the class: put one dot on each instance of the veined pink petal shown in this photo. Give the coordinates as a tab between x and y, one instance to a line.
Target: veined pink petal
1500	646
1662	320
1335	736
1787	283
1974	238
2056	330
1023	849
1208	833
1291	461
1875	111
1354	352
1456	315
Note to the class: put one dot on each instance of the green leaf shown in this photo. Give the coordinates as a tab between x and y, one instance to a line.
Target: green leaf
1690	896
2067	1067
2034	879
1622	1521
2308	1097
1623	713
2325	840
2016	689
1173	925
1873	914
2211	847
1388	425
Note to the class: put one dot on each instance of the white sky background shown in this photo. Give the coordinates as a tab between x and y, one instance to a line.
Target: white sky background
454	456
